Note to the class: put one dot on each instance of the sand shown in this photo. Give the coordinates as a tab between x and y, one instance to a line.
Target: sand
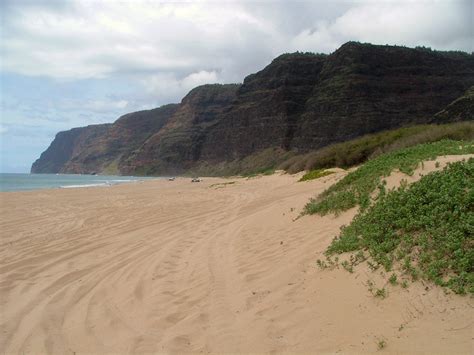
164	266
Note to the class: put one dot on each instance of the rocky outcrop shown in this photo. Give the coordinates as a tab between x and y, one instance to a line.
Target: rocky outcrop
65	146
300	101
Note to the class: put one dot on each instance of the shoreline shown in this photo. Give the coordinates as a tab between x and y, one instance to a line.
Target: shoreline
177	266
65	181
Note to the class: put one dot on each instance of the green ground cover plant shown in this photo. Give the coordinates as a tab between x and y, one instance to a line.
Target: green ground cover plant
423	230
356	188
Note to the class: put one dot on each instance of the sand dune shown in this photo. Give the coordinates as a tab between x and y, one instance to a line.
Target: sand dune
165	266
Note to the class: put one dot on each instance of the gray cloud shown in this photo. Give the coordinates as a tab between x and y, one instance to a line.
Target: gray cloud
99	39
442	25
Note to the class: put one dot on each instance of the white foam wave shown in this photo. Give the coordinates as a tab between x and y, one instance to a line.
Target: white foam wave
84	185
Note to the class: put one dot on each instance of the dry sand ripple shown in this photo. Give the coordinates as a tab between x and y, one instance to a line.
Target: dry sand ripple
180	267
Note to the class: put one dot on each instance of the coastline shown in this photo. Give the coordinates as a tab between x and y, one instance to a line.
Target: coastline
174	266
16	182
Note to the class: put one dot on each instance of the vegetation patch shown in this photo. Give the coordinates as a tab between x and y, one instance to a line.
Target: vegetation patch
356	188
359	150
315	174
259	163
423	230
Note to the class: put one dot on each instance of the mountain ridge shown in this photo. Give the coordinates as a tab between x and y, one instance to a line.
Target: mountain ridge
300	101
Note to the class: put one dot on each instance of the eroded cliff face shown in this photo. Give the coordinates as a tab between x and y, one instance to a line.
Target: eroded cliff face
300	101
365	89
266	109
101	148
461	109
178	145
65	146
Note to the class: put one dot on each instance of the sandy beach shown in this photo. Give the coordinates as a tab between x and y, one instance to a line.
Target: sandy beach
175	266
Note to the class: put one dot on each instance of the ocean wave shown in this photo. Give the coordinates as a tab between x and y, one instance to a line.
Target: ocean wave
84	185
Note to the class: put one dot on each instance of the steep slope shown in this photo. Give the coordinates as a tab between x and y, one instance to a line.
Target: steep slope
304	101
177	146
65	146
461	109
365	89
100	148
299	102
265	112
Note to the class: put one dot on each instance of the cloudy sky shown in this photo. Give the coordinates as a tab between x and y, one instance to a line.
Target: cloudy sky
69	63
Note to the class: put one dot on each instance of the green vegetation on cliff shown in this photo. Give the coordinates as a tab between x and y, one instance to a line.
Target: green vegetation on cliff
343	155
359	150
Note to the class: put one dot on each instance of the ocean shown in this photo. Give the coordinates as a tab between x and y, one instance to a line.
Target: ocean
23	182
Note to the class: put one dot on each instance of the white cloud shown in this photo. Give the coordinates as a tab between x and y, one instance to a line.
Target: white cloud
440	24
199	78
167	87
